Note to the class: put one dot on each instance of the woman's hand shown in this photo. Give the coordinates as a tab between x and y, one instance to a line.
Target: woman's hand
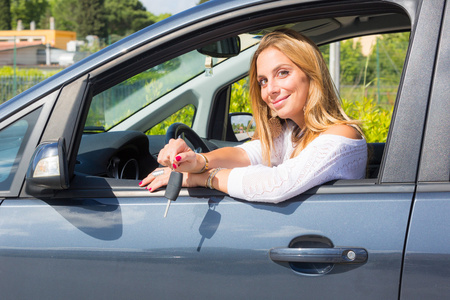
178	156
160	177
156	179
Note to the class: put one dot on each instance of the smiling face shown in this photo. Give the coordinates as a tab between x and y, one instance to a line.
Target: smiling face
284	86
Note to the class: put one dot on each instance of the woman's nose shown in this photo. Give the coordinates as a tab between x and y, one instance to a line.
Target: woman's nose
273	87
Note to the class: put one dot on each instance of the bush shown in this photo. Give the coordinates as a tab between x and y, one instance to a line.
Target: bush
375	119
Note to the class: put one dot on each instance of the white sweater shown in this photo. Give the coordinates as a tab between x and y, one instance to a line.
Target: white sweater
326	158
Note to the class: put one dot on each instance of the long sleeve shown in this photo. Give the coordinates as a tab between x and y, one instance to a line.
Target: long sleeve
326	158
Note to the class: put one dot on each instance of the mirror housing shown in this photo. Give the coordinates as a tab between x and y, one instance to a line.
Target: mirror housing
228	47
48	169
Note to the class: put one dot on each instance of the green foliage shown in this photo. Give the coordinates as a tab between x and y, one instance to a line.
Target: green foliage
184	115
91	18
20	72
27	11
127	16
5	13
375	120
24	78
240	98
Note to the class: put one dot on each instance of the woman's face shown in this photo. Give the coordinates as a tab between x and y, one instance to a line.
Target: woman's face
284	86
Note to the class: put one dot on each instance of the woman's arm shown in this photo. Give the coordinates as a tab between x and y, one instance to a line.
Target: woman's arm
177	155
196	167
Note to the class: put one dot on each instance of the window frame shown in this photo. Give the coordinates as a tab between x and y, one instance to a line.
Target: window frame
43	107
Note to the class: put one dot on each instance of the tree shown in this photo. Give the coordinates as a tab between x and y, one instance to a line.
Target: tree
85	17
126	16
5	13
27	11
91	18
64	12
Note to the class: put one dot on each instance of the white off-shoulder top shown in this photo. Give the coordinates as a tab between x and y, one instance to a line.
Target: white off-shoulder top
328	157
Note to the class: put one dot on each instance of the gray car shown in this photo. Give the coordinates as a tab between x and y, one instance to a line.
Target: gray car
74	224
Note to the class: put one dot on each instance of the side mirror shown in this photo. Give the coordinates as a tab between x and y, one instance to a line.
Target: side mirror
243	125
48	169
228	47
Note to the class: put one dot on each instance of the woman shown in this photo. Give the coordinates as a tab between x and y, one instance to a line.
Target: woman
303	137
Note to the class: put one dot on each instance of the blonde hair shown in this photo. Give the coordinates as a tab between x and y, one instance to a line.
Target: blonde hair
323	107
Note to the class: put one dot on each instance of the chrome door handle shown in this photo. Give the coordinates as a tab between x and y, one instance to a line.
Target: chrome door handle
341	255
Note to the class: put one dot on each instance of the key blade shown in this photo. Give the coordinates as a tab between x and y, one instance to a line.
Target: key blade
167	207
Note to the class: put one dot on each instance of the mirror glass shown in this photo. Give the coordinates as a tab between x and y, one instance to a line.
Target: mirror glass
243	125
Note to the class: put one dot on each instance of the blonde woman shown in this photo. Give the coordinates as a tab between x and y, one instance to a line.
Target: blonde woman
303	137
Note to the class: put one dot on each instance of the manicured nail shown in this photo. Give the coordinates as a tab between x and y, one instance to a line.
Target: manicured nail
178	158
149	189
140	183
174	166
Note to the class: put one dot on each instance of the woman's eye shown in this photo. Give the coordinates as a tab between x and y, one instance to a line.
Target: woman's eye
283	73
262	82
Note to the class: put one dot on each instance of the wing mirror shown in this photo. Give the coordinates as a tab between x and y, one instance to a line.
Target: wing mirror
243	125
48	169
228	47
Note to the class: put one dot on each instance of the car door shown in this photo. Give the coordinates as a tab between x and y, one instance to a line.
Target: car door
426	267
107	238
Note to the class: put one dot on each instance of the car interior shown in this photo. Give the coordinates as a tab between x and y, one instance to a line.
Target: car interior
133	116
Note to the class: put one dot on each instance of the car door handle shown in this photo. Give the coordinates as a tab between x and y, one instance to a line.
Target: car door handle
339	255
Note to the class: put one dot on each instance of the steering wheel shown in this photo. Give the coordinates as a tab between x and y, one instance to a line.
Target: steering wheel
179	129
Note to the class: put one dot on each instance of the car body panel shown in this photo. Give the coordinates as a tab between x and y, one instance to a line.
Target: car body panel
206	247
427	259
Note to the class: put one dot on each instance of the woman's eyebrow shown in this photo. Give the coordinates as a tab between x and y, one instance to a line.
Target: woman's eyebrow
275	69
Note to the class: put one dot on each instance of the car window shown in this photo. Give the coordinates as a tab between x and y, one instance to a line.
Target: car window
184	90
116	104
12	144
184	115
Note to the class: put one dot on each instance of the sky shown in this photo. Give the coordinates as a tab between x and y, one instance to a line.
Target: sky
157	7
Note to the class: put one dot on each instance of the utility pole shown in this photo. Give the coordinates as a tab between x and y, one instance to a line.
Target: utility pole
335	61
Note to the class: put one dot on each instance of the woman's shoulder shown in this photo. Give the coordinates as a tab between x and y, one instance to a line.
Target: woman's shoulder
343	130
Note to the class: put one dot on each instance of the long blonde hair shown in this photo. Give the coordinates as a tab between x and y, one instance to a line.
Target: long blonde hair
323	107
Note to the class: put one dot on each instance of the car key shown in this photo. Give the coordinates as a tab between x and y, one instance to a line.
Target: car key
173	188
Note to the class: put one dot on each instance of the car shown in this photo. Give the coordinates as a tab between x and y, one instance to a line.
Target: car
74	224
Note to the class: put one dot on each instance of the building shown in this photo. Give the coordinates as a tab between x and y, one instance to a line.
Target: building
56	38
33	47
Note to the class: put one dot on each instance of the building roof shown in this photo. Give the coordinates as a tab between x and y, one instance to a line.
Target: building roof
10	45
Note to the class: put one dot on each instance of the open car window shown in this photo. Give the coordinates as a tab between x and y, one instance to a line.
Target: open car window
188	89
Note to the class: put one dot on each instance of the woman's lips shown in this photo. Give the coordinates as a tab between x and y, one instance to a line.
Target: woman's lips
279	101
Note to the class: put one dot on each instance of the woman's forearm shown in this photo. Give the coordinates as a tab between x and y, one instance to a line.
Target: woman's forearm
228	157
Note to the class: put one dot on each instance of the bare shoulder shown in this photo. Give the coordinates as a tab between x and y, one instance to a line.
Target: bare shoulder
345	131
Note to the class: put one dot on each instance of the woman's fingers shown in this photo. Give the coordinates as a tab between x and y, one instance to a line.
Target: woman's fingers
158	178
185	162
167	156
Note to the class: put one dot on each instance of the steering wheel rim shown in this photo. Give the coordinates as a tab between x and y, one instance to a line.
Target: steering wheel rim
177	129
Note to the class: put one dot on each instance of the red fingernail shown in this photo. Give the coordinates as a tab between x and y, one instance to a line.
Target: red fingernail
174	166
178	158
149	189
140	183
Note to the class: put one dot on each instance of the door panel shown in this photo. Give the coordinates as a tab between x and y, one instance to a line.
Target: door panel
206	247
427	260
